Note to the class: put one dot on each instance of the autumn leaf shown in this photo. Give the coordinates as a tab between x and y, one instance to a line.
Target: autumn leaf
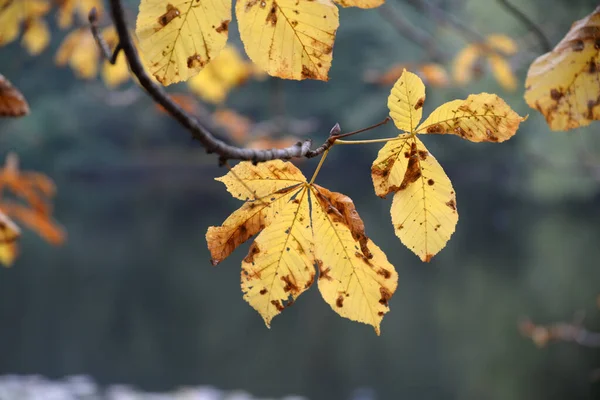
227	71
17	13
12	101
179	37
9	236
68	8
432	74
237	125
300	225
184	100
564	84
495	49
423	211
296	37
360	3
80	52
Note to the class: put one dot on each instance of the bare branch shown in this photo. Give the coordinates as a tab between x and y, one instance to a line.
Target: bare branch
518	14
410	32
565	332
199	131
102	45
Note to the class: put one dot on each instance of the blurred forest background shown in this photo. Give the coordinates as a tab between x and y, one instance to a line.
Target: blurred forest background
132	298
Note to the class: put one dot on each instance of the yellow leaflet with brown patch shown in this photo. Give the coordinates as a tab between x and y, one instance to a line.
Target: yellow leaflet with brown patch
290	39
9	236
227	71
481	117
406	101
279	264
244	223
424	206
360	3
355	277
253	182
564	85
179	37
80	51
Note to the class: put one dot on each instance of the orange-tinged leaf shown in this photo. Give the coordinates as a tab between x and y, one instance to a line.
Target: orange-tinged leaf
481	117
12	101
9	236
290	39
564	85
360	3
406	101
38	222
297	222
236	124
68	8
355	277
434	75
179	37
431	73
265	143
183	100
423	210
464	64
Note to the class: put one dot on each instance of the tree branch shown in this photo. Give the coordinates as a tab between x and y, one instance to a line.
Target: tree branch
518	14
102	45
564	332
198	130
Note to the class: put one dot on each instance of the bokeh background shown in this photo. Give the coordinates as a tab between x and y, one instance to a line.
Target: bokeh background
132	298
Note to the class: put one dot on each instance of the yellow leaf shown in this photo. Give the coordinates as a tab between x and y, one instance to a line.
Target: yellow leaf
434	74
355	277
13	13
502	43
66	9
360	3
464	64
80	51
406	101
179	37
9	236
481	117
564	85
279	264
253	182
424	206
291	39
36	36
227	71
503	72
297	221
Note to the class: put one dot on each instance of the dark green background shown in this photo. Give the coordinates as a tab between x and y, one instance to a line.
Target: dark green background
132	296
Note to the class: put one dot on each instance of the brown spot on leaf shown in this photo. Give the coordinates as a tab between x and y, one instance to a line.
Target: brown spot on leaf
385	273
452	204
224	27
252	252
323	272
277	305
423	154
413	171
195	61
289	285
435	128
385	296
310	281
419	103
555	94
578	45
428	257
250	4
272	15
308	73
172	12
340	301
430	182
263	291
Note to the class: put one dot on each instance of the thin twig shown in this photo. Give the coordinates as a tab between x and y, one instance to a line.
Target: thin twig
102	45
368	128
199	131
404	28
563	332
518	14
